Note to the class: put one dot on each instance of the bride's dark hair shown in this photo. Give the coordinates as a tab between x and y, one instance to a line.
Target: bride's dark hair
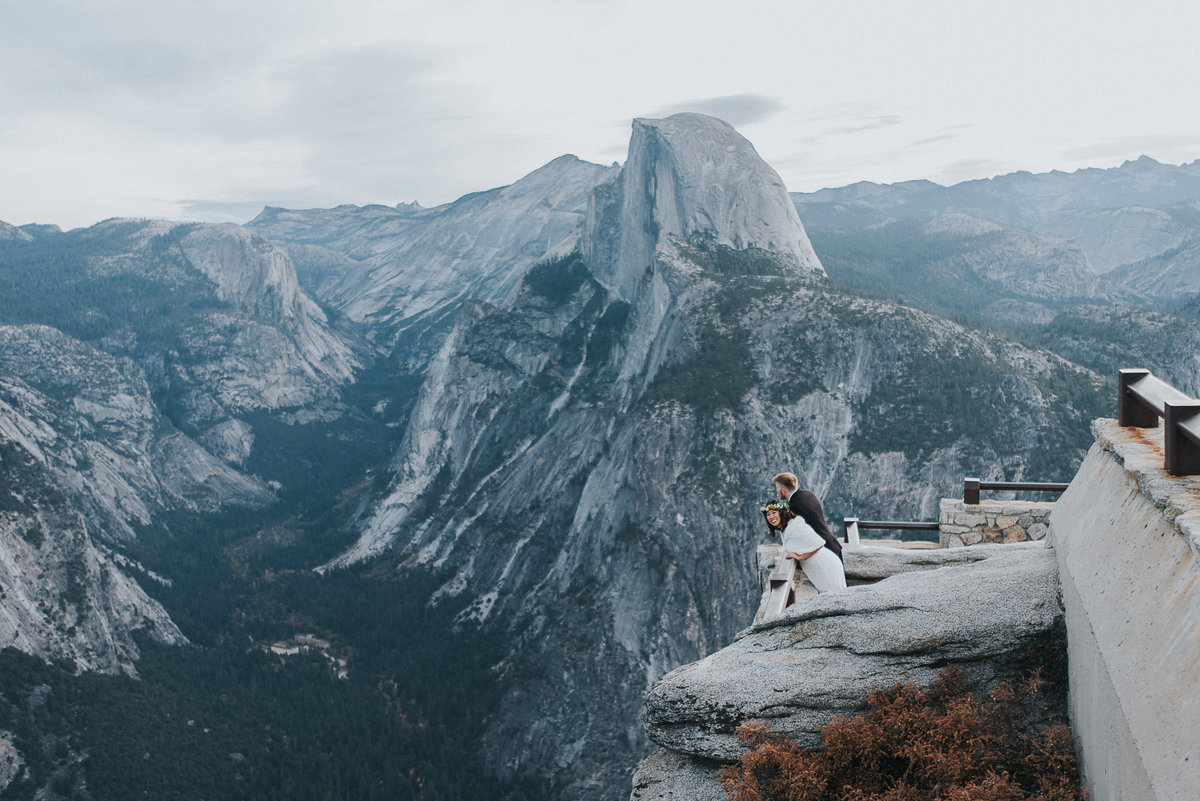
785	514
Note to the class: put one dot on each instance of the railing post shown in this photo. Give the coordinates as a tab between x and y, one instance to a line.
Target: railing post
1181	455
971	491
782	588
1131	411
850	530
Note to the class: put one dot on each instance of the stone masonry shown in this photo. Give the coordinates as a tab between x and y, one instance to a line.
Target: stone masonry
992	521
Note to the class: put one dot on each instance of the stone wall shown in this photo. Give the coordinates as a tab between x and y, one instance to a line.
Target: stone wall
992	521
1127	540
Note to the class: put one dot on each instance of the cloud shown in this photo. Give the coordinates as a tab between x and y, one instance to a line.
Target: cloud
930	140
97	60
945	135
737	110
853	126
871	124
355	92
127	108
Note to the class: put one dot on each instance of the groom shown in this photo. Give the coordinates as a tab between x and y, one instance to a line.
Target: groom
806	505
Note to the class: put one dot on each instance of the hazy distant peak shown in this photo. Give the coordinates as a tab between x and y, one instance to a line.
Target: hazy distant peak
134	229
564	172
1142	161
12	232
1056	203
39	229
565	159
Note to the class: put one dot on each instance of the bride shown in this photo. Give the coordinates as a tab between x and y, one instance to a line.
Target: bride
805	545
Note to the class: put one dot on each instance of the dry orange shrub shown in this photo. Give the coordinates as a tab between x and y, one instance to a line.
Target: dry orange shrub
914	744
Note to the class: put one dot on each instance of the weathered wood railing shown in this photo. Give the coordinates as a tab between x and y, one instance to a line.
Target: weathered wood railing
1142	399
972	486
781	589
852	525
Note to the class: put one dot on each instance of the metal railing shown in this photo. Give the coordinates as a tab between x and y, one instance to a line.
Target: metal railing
972	486
781	589
1142	399
852	525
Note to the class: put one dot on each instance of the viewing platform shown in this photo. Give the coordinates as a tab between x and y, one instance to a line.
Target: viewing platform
1106	580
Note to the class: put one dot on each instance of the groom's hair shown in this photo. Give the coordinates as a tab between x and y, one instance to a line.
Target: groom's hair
788	480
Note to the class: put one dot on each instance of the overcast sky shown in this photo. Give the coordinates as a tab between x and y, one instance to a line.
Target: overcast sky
210	109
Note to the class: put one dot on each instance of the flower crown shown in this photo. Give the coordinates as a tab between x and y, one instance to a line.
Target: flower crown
777	506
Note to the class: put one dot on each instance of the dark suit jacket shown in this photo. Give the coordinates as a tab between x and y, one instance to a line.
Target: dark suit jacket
804	504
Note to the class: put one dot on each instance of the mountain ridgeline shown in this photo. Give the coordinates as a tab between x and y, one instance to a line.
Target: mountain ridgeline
1029	245
504	457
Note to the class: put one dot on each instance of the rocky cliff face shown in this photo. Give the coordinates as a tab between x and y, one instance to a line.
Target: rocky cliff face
994	612
1168	276
1105	339
258	278
66	595
85	462
1113	238
211	317
1017	262
585	448
399	263
575	388
136	405
690	177
88	418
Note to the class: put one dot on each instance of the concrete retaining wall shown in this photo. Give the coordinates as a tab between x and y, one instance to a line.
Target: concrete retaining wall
1127	540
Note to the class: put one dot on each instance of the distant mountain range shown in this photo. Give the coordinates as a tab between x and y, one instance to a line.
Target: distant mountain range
543	416
1128	234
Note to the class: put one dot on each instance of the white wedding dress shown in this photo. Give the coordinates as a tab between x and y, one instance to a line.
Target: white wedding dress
823	568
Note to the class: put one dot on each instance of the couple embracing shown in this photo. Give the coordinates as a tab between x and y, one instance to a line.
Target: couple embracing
806	536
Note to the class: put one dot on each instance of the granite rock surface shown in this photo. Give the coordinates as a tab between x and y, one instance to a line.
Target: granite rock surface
823	657
668	776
